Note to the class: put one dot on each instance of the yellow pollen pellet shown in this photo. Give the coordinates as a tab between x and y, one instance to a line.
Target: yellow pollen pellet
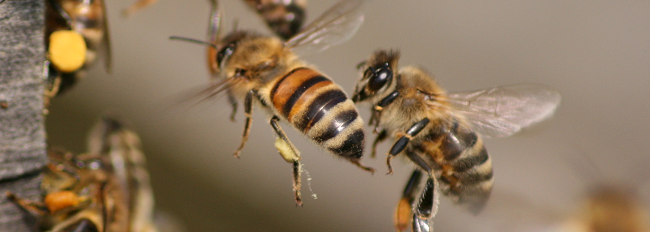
67	50
61	200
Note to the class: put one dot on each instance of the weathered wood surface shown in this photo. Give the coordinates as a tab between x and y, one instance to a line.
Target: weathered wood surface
22	132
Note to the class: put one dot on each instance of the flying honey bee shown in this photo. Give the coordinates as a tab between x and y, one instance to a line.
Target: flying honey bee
285	18
75	33
107	191
265	69
439	131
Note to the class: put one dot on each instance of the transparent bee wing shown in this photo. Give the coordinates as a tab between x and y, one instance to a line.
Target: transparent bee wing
505	110
337	25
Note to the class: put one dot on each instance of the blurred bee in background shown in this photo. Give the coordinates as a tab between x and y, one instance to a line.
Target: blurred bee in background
265	69
608	205
104	190
76	31
609	208
439	132
285	18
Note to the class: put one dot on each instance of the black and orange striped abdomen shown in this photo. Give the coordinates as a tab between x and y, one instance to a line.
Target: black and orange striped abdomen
319	108
461	157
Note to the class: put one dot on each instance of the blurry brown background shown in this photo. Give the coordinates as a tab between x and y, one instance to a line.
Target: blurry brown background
595	53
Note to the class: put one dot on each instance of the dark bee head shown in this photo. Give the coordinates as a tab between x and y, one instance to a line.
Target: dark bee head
378	74
220	54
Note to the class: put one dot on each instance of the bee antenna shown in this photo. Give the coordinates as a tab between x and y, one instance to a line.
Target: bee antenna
193	41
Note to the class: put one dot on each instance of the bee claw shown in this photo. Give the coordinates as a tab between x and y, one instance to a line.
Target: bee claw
390	168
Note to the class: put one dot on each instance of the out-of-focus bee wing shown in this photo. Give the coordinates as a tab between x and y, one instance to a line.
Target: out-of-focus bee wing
337	25
503	111
106	41
215	22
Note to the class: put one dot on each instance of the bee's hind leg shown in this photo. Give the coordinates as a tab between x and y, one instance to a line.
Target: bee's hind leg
404	212
289	152
427	207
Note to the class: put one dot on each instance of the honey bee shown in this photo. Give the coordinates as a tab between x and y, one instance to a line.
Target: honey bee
75	33
122	148
285	18
439	131
609	208
107	191
265	69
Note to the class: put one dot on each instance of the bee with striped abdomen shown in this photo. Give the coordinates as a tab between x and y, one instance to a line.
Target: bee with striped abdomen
285	18
438	131
265	69
76	32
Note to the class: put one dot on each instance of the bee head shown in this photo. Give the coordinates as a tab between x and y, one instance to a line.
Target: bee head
378	74
220	54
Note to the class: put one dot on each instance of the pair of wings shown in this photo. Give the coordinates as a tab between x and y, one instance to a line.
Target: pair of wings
505	110
337	25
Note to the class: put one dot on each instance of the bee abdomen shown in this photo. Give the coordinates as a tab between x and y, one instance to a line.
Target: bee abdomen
284	18
319	108
466	168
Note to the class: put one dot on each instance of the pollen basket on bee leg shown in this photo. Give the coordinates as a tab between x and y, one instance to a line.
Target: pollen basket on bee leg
67	50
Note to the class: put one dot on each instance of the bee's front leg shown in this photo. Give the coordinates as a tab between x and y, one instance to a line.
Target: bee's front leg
289	152
248	111
380	137
233	103
376	110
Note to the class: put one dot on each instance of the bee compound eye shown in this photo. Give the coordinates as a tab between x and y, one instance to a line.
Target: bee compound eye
379	79
225	52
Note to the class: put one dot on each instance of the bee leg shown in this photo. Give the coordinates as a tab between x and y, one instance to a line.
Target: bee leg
380	138
62	12
403	141
248	111
375	116
404	212
421	225
427	207
376	112
233	103
34	207
290	154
